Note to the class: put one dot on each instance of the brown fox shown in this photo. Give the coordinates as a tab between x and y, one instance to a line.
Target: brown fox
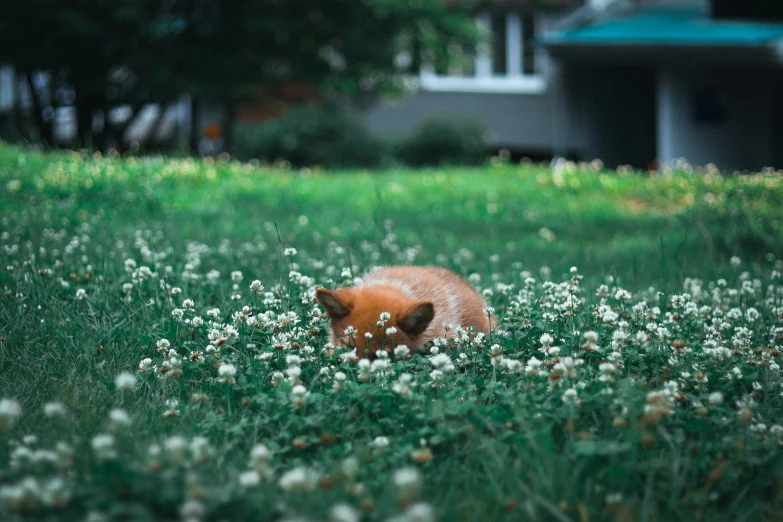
420	301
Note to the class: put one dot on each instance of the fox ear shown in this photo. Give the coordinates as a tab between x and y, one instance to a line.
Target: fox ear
417	318
338	303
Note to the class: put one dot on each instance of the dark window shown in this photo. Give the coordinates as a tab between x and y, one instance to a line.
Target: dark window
498	26
708	106
528	44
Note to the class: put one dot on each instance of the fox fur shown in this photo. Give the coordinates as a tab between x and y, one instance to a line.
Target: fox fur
421	302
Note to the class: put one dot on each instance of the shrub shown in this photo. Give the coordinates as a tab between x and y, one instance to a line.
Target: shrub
312	135
444	140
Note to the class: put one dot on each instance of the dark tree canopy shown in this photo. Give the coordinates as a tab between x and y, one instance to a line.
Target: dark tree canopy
131	52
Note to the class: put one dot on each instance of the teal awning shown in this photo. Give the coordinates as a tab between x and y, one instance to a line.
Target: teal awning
667	28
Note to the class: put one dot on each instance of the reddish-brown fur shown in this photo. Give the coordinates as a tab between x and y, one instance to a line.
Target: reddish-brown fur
420	300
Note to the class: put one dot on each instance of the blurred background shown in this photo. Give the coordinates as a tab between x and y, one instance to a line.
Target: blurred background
368	83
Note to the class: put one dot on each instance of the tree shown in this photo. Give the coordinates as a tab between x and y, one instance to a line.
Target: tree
133	52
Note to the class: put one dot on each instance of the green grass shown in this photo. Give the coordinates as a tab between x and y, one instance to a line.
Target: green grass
503	442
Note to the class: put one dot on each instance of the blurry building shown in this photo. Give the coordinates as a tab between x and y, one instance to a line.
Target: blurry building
626	81
647	80
507	85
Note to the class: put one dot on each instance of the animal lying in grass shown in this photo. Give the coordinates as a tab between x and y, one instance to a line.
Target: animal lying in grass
420	301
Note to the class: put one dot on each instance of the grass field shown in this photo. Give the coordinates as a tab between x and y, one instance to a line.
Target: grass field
146	375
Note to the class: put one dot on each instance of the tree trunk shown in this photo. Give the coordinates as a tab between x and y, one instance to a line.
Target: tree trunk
84	114
229	124
43	127
195	126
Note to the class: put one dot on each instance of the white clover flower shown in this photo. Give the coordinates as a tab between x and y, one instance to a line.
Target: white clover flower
192	510
249	479
570	396
420	512
54	409
103	447
163	345
81	294
299	394
408	482
401	351
259	455
735	261
442	362
10	411
380	442
226	373
256	287
126	381
289	252
188	303
119	418
546	340
715	398
298	479
145	364
391	330
236	276
344	513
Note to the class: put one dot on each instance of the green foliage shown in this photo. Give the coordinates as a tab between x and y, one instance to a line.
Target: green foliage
670	410
313	135
444	140
115	52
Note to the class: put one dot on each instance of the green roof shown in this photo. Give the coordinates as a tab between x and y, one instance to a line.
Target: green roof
668	27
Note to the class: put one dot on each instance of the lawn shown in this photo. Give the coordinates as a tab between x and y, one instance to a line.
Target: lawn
162	356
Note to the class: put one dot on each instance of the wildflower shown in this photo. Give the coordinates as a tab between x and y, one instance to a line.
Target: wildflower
144	365
404	386
339	379
103	447
570	396
715	398
259	455
54	409
119	419
227	373
256	287
299	394
381	442
10	411
163	345
249	479
81	294
401	351
420	512
735	261
442	362
298	479
173	409
289	252
408	483
236	276
192	510
126	381
391	331
365	373
344	513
